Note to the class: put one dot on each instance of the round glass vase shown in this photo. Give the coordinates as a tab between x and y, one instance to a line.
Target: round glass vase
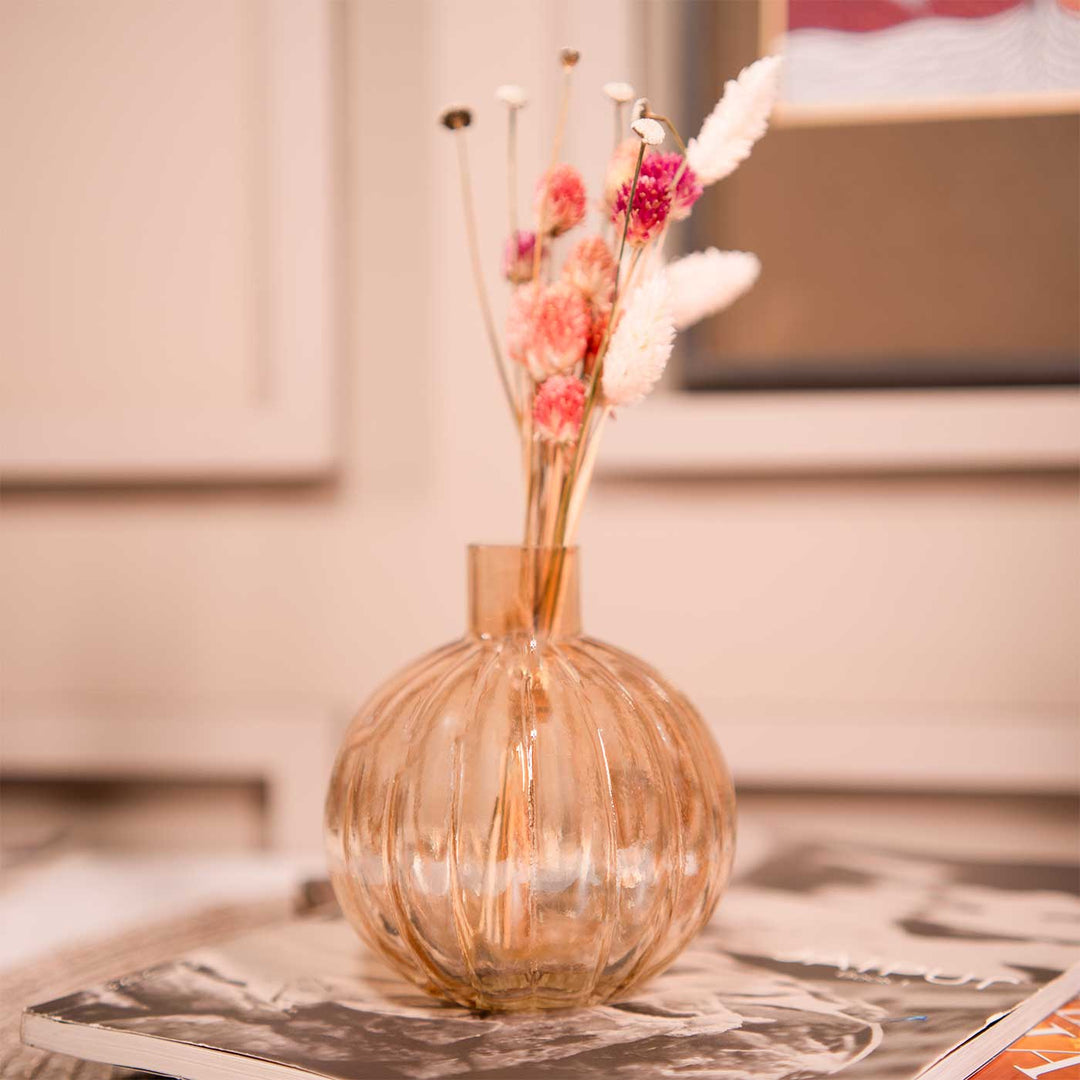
528	818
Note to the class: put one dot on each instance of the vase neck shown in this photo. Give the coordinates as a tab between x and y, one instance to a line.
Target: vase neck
511	591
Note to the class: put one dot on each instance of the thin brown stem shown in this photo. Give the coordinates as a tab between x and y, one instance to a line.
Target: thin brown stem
683	165
526	431
666	121
532	450
478	275
553	494
511	175
626	224
564	112
560	127
581	487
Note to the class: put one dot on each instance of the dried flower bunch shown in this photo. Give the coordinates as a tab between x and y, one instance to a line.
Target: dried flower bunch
594	334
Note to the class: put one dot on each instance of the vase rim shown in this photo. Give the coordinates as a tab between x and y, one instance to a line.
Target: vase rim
522	547
509	590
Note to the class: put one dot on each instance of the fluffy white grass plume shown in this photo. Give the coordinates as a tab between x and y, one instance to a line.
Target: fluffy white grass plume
641	344
707	282
737	122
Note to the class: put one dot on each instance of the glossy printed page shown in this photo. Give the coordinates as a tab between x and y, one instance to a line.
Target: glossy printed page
820	959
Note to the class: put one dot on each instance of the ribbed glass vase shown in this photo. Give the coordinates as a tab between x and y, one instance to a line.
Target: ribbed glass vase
528	818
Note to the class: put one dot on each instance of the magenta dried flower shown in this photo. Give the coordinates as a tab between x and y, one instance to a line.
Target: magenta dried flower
518	254
665	167
649	214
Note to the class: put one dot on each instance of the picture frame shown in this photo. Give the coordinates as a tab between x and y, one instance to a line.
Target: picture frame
774	28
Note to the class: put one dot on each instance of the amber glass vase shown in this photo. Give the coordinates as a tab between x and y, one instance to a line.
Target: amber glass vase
528	818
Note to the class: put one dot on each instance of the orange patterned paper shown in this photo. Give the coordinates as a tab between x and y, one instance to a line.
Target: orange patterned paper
1050	1051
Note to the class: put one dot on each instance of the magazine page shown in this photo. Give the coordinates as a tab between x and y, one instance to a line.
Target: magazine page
1049	1051
821	959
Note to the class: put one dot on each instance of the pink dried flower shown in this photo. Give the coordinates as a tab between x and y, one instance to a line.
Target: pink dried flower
560	199
590	267
547	328
649	214
518	256
620	169
558	409
665	168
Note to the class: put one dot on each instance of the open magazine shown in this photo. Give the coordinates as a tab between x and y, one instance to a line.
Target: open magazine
822	959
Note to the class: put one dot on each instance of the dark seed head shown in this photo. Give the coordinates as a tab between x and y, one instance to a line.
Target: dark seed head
455	116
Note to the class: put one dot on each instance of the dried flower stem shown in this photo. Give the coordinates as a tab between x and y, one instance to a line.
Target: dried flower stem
564	112
511	171
478	275
619	128
553	493
666	121
581	487
682	149
536	455
560	127
553	586
532	455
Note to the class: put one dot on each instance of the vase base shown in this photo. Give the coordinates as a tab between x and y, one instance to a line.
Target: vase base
550	988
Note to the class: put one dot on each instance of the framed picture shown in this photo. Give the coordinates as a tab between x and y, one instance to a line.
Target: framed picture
860	61
897	256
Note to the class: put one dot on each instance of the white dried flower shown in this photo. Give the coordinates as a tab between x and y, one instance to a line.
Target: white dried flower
737	122
622	92
641	344
639	108
707	282
512	95
651	132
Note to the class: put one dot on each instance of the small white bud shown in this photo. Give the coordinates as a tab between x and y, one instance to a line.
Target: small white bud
512	95
651	132
641	107
621	92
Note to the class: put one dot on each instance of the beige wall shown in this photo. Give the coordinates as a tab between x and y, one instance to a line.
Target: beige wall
914	629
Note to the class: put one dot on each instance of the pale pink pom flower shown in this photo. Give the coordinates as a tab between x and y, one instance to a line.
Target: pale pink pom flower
558	409
560	199
547	328
707	282
590	267
640	345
